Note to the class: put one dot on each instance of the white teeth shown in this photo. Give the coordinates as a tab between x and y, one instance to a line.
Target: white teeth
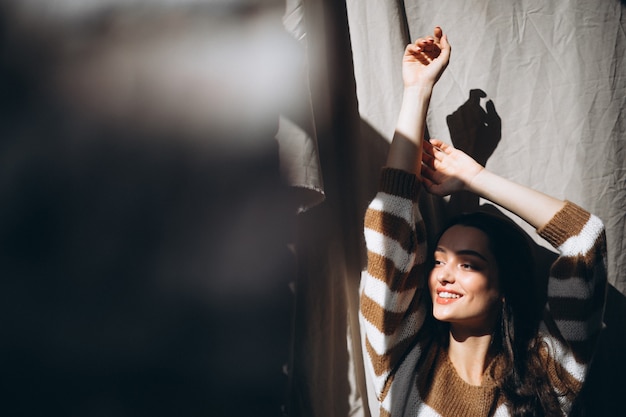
445	294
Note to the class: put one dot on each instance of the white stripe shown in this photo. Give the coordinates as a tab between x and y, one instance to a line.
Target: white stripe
425	411
582	243
501	411
394	301
564	356
390	249
382	343
398	206
572	287
565	404
377	380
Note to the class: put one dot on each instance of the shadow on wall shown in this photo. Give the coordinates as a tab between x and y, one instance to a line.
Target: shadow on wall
477	132
143	249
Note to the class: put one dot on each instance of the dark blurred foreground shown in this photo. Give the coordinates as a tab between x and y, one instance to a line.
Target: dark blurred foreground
143	223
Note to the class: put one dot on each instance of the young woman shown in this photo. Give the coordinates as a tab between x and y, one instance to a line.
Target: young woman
456	331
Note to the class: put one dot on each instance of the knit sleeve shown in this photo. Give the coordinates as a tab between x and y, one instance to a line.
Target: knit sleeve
578	279
390	307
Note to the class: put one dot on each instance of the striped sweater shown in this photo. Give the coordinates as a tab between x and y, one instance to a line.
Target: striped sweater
411	374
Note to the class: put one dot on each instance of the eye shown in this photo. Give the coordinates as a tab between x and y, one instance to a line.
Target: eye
438	262
467	266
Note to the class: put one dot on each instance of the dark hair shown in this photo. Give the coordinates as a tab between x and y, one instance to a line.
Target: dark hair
524	383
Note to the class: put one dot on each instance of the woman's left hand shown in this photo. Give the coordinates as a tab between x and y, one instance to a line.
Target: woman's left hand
446	170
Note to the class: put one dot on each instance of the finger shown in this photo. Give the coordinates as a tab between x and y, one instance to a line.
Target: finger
421	42
429	184
427	174
435	147
440	145
419	48
428	159
412	49
446	49
430	45
438	33
427	146
425	42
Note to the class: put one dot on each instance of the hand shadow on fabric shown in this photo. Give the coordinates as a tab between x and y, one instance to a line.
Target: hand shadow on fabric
477	132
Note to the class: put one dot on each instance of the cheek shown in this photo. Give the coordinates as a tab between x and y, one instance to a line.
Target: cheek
480	286
490	293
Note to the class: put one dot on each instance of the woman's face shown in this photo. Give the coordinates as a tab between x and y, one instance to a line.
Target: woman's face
464	281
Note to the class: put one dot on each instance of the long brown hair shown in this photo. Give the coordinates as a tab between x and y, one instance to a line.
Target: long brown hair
524	384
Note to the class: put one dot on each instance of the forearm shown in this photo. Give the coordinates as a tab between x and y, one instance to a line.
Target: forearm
534	207
405	152
577	285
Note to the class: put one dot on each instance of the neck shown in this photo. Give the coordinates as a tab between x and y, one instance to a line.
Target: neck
470	353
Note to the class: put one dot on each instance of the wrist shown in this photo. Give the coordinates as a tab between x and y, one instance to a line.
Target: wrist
475	182
415	101
418	91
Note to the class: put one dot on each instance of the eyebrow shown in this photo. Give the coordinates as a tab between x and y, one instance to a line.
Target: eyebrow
469	252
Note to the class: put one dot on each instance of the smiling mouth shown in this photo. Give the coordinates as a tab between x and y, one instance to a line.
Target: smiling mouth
446	297
446	294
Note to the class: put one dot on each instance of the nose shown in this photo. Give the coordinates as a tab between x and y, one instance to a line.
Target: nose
443	275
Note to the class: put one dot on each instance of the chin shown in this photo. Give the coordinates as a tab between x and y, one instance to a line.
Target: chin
441	317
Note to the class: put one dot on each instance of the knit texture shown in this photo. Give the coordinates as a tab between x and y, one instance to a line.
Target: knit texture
411	373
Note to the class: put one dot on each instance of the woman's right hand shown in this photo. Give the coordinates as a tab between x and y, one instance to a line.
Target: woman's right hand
425	60
422	64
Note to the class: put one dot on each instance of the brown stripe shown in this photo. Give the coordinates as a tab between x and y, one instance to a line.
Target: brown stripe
385	270
562	381
583	351
387	386
399	182
388	361
568	266
393	227
385	321
569	221
574	309
420	232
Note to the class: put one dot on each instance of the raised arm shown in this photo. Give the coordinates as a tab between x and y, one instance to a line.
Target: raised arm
391	306
447	170
423	63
